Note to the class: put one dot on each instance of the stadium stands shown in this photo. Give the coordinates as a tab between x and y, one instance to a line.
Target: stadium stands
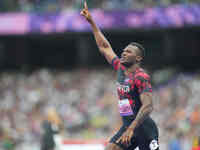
63	5
84	99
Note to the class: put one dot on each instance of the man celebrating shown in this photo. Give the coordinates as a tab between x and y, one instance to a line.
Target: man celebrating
134	92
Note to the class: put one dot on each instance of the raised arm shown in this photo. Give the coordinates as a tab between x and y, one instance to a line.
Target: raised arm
102	43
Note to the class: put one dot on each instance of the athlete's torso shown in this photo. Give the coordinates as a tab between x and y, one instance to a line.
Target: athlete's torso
129	88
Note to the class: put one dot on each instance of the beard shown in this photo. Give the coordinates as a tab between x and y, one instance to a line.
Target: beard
128	64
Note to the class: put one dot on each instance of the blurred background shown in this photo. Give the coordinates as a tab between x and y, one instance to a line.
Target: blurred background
53	80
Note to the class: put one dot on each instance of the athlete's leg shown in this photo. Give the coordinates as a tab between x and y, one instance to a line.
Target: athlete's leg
149	145
112	146
148	139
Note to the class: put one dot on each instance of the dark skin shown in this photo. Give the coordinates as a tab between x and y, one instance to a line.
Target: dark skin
130	57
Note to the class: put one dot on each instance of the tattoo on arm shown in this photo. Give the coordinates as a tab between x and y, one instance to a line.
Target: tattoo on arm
145	110
102	43
143	114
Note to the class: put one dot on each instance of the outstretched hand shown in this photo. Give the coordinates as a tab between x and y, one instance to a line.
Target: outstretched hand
126	137
85	12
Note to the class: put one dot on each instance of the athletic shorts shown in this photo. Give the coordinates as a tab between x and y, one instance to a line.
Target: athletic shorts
145	136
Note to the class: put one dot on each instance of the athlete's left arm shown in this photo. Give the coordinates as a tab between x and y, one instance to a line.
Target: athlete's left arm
145	110
144	87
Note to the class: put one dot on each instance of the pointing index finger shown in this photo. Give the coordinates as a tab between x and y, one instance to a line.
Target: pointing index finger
85	5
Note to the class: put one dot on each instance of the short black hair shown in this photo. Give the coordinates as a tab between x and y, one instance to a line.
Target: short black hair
140	47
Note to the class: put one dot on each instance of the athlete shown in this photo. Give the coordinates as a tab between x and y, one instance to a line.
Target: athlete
134	92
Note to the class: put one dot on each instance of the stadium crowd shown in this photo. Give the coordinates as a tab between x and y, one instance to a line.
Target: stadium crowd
86	102
71	5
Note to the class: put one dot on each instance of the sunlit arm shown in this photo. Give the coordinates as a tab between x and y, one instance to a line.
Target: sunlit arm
102	43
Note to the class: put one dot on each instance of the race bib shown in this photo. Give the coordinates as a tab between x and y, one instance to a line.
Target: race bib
125	107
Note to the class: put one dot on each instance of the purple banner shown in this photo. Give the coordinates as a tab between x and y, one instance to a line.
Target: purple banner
158	17
14	23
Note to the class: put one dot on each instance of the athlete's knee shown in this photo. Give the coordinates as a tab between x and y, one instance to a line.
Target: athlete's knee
112	146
